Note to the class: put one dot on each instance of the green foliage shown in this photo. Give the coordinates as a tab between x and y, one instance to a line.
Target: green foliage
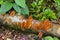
48	14
25	10
57	1
41	10
18	5
1	1
17	8
50	38
36	7
55	38
5	7
57	4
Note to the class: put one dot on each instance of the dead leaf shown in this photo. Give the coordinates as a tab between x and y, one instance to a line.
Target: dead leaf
12	13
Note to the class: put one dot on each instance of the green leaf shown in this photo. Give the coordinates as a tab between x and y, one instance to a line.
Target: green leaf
25	10
33	4
48	38
1	1
20	3
6	6
17	8
43	18
57	1
55	38
48	13
57	4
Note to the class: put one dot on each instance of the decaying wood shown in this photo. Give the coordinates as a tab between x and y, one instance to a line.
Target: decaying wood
30	23
25	24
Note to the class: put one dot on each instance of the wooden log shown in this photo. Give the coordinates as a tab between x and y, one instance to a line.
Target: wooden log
9	21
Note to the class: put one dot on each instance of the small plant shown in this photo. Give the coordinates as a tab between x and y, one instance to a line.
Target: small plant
36	8
18	5
48	14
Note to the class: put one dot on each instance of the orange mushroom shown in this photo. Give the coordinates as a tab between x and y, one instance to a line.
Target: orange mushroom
45	25
23	25
36	26
29	22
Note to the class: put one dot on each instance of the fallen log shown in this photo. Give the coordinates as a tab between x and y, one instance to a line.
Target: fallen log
25	24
